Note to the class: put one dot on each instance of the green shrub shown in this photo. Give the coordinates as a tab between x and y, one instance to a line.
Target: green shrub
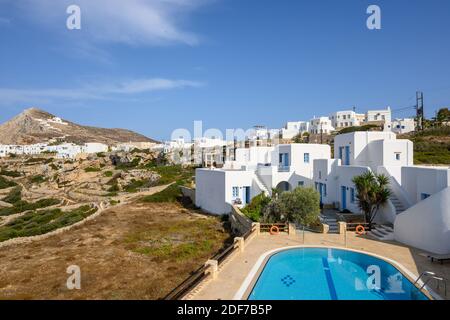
171	194
174	173
108	174
5	183
8	173
114	188
43	221
14	195
255	208
92	169
130	165
22	206
366	127
135	185
38	179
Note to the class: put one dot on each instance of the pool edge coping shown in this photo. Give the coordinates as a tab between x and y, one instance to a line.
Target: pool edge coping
256	270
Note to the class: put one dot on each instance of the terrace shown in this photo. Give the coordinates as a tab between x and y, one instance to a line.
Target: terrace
233	272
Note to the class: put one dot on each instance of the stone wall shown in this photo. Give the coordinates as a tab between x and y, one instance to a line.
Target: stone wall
240	224
188	192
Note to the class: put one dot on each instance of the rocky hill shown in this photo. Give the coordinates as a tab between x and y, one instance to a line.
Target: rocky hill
34	126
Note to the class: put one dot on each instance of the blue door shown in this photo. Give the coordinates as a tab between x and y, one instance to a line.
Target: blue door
286	160
341	151
344	198
321	192
247	194
347	155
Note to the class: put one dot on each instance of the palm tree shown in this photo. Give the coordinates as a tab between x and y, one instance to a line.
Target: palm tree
372	192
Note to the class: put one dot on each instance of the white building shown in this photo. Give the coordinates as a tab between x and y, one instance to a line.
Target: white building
64	150
356	153
321	125
379	116
344	119
400	126
263	133
293	128
256	170
420	196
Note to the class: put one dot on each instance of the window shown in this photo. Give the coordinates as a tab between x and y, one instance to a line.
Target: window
301	183
423	196
235	192
316	184
324	190
320	174
352	195
306	158
397	156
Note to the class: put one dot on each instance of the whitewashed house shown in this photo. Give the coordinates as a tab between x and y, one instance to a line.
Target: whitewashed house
262	133
379	116
344	119
256	170
293	128
401	126
356	153
321	125
64	150
94	147
420	196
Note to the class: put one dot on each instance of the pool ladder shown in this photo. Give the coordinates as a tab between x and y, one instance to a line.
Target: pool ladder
431	275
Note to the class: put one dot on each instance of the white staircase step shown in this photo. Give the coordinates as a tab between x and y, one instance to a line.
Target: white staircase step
382	232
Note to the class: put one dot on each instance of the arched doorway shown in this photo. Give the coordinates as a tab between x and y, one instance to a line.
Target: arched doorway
284	186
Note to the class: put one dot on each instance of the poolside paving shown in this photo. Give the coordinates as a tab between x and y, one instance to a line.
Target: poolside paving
234	271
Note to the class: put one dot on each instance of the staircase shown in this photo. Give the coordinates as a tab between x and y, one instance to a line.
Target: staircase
399	207
262	185
382	232
331	222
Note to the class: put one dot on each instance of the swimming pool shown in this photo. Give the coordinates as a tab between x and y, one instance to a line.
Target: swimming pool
331	274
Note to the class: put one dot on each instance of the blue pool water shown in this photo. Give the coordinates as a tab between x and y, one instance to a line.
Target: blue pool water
331	274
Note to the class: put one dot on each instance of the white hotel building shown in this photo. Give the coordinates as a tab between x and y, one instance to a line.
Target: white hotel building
419	208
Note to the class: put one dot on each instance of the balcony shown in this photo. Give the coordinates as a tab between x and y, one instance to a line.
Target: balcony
282	168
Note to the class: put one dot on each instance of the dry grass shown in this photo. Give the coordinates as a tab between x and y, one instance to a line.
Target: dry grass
136	251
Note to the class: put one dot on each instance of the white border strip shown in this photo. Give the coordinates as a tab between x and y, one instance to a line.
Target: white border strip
240	294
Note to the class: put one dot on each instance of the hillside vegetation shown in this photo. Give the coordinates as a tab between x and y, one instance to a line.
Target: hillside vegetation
431	147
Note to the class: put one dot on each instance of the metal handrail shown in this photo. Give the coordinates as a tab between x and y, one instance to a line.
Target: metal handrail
431	275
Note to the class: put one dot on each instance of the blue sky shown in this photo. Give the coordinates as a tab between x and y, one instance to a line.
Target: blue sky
156	65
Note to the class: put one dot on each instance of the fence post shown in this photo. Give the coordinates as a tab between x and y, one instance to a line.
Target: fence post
239	241
257	225
291	229
213	268
342	227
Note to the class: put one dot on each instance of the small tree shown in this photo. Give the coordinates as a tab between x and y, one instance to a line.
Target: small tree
302	205
372	192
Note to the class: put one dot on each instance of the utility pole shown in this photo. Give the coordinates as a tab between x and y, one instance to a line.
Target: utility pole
321	133
419	110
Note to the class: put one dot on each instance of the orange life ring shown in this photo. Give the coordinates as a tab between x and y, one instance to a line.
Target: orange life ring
274	230
360	230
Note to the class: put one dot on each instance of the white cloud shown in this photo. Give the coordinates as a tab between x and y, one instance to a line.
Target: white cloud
93	91
134	22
